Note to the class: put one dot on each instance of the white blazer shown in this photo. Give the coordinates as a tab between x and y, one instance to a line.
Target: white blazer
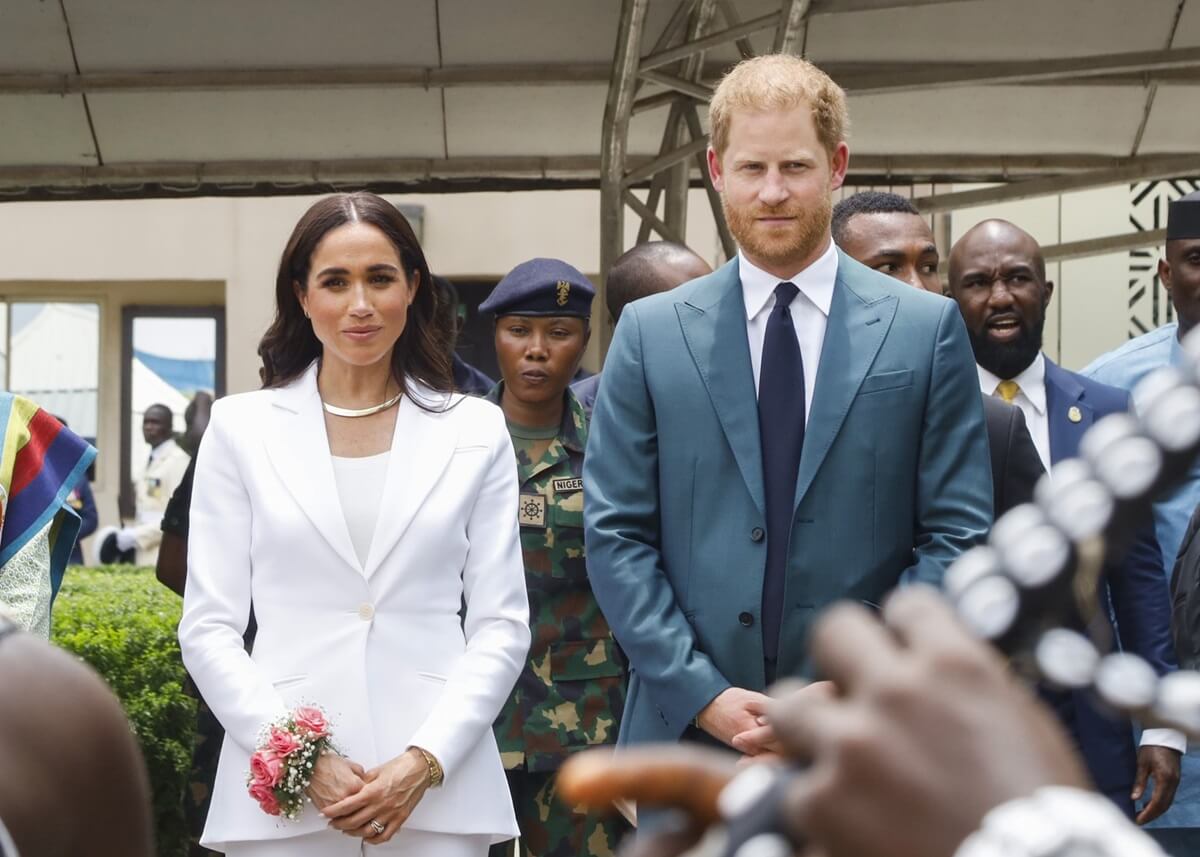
382	648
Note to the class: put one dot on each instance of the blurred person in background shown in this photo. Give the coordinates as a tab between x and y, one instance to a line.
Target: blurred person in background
41	464
647	269
467	379
154	485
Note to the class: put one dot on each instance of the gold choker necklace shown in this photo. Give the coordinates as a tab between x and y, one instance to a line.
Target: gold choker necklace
362	412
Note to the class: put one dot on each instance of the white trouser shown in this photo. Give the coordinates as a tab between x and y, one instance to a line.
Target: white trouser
406	843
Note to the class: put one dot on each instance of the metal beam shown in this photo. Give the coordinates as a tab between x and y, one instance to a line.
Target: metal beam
723	37
832	7
650	217
1100	246
695	90
618	109
793	26
1176	68
581	168
529	74
660	163
1040	72
1158	168
732	19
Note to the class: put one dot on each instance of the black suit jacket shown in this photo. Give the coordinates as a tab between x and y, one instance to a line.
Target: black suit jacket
1016	466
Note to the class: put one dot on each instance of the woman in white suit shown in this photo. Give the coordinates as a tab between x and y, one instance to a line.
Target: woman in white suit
358	506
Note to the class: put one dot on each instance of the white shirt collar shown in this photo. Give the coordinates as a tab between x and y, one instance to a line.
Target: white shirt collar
1032	382
815	282
163	448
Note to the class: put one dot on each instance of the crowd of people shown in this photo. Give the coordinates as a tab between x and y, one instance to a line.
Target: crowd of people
462	585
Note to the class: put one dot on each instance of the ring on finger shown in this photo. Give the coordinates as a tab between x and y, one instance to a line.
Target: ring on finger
377	827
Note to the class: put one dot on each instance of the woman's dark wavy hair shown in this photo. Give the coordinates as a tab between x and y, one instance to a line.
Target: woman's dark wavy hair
423	350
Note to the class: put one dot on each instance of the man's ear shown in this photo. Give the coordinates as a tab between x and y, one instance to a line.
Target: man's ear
839	164
714	170
1164	273
1049	287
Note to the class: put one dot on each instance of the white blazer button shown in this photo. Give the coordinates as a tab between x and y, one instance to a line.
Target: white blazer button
366	612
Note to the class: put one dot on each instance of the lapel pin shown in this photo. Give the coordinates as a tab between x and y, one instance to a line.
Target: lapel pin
1074	414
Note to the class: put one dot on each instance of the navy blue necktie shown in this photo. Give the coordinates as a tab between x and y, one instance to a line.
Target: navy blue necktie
781	430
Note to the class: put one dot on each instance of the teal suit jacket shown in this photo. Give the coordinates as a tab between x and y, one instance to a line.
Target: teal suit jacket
894	480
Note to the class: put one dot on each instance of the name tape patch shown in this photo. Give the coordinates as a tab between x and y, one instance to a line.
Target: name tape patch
562	485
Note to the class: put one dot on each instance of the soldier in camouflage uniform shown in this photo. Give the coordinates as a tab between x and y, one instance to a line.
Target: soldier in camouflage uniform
572	691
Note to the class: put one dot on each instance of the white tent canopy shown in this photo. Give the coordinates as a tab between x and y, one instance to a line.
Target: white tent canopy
172	97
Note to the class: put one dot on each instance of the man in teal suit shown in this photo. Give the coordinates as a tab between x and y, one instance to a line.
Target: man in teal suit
788	431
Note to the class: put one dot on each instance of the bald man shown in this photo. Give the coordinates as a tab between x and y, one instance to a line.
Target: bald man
885	231
998	278
647	269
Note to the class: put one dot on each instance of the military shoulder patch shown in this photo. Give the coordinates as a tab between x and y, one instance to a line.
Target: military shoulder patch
531	510
561	486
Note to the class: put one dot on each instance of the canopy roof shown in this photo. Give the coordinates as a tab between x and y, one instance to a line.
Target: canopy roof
131	98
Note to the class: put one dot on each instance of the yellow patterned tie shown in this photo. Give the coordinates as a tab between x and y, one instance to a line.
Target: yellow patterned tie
1007	390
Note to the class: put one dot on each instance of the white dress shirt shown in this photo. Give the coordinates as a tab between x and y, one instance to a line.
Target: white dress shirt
1031	399
809	310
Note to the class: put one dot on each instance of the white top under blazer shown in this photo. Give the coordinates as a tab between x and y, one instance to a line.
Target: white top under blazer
380	646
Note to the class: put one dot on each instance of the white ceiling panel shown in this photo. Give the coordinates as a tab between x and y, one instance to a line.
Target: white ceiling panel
1174	124
993	31
44	129
33	38
997	120
317	124
133	35
528	31
546	120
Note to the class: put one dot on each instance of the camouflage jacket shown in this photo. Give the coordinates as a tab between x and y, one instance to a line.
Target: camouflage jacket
572	691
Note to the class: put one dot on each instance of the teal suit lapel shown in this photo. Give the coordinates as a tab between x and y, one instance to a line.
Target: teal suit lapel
859	318
713	321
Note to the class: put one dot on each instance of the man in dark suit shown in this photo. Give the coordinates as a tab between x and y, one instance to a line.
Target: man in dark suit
647	269
885	232
791	430
998	278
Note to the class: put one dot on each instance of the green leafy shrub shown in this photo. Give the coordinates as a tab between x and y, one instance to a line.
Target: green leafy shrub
122	621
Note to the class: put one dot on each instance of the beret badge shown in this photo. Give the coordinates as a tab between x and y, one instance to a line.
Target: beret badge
564	292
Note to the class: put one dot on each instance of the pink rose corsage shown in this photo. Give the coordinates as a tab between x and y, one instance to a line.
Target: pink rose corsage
282	766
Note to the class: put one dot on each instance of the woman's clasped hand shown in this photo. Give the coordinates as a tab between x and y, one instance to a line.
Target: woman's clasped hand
372	804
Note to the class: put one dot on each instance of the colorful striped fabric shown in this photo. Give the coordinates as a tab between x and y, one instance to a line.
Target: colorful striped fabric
41	461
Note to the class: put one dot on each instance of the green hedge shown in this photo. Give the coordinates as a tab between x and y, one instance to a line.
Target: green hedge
123	622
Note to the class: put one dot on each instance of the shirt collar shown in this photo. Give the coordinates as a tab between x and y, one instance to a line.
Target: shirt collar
162	448
815	282
1032	382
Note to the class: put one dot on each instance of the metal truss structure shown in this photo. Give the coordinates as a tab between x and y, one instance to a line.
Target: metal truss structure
674	67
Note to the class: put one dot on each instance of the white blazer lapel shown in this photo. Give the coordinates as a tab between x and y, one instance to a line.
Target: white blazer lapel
298	448
422	447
